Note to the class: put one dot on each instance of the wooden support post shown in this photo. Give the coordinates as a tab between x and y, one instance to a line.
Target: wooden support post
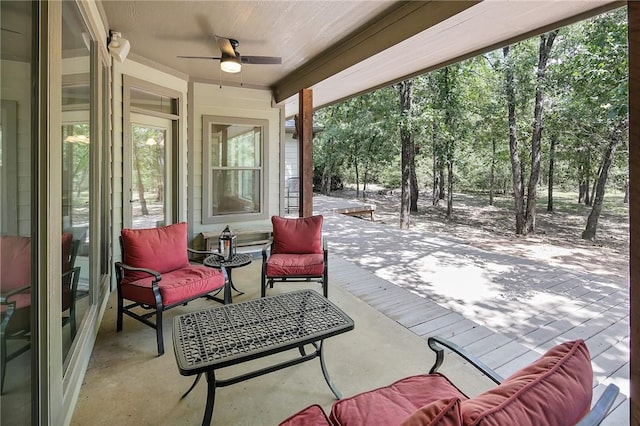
634	207
305	139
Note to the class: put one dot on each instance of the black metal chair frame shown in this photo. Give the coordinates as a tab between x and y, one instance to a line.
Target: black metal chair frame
7	334
598	411
159	307
268	281
25	333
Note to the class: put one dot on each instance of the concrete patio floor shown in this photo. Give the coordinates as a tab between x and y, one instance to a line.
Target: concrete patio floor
128	384
505	309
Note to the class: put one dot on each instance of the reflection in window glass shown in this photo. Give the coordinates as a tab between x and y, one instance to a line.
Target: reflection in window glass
16	202
236	169
77	174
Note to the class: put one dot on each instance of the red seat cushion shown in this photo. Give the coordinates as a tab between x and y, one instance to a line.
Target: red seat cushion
391	405
185	283
22	300
554	390
311	416
162	249
444	412
15	262
295	265
297	235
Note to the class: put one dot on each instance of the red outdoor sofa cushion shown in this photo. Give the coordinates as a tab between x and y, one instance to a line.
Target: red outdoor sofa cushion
555	390
164	250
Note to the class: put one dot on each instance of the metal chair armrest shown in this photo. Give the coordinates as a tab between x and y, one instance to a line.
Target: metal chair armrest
4	298
601	408
435	343
194	251
151	272
266	248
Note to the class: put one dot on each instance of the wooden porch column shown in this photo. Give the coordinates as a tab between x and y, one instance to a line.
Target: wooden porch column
305	141
634	207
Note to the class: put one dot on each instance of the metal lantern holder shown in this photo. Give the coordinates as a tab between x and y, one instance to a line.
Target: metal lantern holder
227	244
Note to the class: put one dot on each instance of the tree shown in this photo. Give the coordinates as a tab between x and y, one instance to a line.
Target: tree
526	213
546	43
605	41
516	166
404	89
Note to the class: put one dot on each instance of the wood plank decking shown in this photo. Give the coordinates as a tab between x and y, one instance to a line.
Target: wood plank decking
520	310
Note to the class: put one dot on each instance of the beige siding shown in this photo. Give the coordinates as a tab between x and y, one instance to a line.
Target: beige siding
19	76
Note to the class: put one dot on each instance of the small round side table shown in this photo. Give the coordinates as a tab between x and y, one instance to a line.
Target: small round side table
239	260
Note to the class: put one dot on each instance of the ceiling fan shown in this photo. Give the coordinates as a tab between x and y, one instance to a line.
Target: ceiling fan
231	60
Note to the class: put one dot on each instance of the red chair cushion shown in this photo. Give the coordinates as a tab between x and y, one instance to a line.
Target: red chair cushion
15	262
177	286
295	265
297	235
555	390
311	416
390	405
162	249
22	300
444	412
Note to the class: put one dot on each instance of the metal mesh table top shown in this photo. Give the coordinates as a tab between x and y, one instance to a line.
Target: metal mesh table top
229	334
216	261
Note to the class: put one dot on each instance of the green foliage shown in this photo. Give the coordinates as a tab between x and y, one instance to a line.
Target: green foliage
463	108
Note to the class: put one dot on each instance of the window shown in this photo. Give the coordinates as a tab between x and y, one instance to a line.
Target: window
233	169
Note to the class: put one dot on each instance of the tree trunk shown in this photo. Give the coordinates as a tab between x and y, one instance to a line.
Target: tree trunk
436	176
492	175
449	188
592	222
357	180
414	183
441	179
626	192
587	175
516	167
140	188
408	151
552	159
546	43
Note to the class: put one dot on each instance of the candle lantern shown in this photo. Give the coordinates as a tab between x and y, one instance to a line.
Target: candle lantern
227	244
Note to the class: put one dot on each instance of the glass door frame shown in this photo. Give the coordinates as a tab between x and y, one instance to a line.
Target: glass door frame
157	123
172	162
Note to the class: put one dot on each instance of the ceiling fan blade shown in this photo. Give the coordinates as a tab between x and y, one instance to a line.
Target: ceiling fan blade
199	57
225	47
264	60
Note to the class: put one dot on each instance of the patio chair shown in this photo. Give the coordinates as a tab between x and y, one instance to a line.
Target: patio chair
15	293
15	298
297	252
156	275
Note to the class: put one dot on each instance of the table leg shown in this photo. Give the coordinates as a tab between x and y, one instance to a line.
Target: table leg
211	396
335	391
231	282
195	382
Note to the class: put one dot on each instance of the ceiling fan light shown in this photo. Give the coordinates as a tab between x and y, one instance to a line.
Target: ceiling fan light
230	65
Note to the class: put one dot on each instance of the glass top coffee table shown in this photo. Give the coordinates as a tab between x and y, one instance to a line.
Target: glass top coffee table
238	260
214	338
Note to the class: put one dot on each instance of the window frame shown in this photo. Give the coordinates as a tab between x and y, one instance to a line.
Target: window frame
207	169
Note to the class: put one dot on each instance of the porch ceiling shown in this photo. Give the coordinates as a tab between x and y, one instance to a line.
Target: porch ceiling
337	48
